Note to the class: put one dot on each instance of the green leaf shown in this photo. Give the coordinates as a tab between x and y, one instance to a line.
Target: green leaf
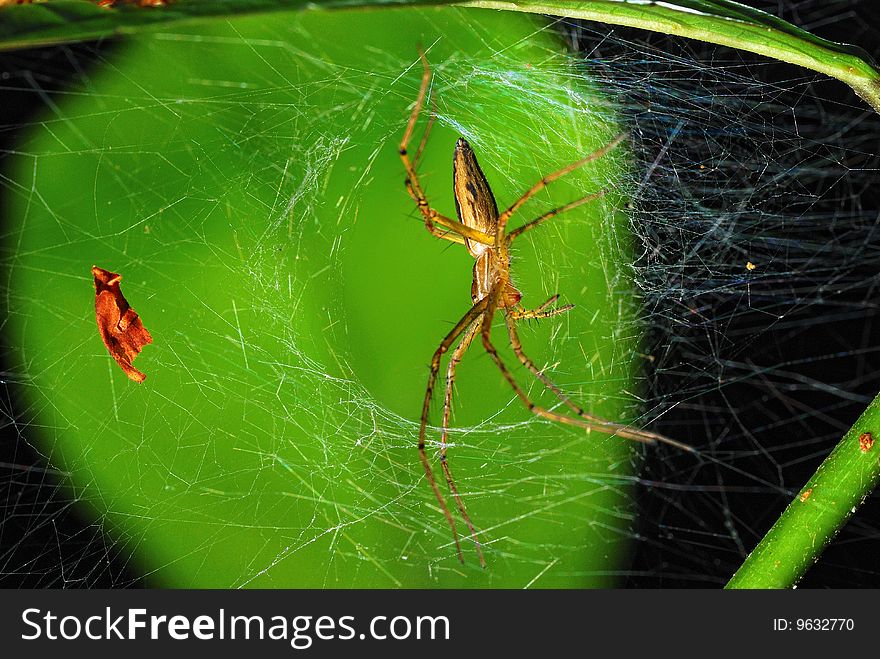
714	21
243	177
66	21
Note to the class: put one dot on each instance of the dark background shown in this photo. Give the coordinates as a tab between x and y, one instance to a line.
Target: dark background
752	386
45	541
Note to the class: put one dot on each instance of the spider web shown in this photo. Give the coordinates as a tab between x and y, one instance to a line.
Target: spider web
752	216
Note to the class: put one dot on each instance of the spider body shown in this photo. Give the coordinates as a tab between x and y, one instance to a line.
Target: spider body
476	208
489	270
482	229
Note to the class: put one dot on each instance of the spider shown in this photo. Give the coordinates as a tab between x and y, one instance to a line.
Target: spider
483	231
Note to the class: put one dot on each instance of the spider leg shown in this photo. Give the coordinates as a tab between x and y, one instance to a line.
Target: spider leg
528	226
437	232
448	340
493	353
432	117
585	421
413	185
420	100
457	354
591	422
540	185
540	312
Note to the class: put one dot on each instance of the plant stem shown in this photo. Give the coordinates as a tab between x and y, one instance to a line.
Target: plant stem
819	511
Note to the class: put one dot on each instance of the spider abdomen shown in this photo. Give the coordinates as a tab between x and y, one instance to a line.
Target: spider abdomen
474	201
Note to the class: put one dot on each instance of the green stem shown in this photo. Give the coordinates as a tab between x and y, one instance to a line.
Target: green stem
723	23
819	510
